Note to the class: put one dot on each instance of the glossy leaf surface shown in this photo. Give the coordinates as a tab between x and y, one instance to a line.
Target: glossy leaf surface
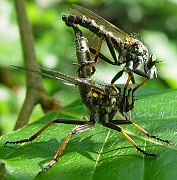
99	153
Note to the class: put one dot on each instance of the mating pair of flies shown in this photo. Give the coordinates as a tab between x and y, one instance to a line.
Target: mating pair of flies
103	101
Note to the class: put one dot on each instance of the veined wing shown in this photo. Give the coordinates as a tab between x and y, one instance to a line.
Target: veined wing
79	10
66	79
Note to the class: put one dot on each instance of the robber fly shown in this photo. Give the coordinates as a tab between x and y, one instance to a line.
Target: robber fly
132	52
103	102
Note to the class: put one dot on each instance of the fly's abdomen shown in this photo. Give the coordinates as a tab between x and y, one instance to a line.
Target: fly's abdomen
85	64
84	22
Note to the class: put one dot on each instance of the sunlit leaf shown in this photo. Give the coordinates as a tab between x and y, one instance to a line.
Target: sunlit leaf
99	153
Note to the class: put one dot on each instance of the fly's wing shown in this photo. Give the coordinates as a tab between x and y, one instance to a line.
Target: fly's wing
66	79
79	10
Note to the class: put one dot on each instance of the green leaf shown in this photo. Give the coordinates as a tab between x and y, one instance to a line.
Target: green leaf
99	153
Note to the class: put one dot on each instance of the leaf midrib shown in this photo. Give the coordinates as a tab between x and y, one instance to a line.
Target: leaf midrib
99	154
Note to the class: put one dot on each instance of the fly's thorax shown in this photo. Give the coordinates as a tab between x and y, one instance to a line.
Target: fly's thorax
136	52
94	97
111	99
123	49
109	104
108	99
104	104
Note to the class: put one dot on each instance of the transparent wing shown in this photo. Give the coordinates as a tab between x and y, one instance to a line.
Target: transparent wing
66	79
79	10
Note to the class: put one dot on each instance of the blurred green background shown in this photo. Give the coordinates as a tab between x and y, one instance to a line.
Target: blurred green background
154	20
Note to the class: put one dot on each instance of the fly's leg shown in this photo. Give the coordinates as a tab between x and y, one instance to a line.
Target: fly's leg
130	72
125	97
101	56
148	134
119	74
84	125
129	99
97	53
34	136
126	121
117	128
110	47
138	86
76	130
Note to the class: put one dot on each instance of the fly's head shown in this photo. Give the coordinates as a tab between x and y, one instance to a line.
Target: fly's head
137	56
